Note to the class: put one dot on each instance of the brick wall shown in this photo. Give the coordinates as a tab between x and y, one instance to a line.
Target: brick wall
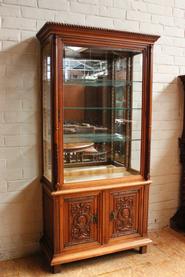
20	194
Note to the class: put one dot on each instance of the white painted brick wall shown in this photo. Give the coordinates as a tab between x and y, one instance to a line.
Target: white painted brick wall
20	193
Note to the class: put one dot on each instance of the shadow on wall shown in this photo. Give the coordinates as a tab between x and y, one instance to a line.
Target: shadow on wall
20	190
165	165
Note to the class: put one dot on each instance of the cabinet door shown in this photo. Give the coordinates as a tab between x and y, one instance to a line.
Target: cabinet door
125	212
81	219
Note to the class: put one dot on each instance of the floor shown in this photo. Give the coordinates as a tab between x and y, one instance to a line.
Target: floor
165	258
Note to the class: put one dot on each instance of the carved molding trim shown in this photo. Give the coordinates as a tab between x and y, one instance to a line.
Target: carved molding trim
61	28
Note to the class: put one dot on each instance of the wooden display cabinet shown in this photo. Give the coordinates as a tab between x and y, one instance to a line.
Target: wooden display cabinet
96	105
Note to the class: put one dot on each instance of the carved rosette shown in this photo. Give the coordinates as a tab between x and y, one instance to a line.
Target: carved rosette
81	220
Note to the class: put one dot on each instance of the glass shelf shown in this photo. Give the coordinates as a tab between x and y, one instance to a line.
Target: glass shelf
100	83
101	108
96	138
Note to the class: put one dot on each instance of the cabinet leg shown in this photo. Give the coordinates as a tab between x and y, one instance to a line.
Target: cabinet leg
55	269
143	249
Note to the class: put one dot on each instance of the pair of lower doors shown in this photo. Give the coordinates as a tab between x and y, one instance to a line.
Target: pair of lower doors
102	217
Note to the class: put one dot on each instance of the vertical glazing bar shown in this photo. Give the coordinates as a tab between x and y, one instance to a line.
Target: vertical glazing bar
57	112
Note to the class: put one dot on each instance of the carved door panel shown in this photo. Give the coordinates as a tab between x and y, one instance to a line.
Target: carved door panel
125	212
81	219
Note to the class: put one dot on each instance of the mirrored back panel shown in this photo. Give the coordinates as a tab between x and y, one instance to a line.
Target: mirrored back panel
102	113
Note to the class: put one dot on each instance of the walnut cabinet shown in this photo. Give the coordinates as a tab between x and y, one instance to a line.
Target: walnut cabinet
96	124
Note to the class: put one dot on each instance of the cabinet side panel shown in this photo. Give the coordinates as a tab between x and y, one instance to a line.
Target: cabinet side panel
145	209
48	219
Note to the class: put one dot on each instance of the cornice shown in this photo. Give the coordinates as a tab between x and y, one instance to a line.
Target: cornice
61	29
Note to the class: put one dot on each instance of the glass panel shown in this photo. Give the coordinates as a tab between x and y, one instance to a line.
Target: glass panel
46	79
136	112
102	113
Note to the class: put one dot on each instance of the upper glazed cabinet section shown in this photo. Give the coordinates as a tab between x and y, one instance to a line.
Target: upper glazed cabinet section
102	112
101	93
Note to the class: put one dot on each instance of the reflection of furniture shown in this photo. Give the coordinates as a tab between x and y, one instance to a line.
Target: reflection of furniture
79	152
77	147
178	220
84	219
75	150
79	134
85	129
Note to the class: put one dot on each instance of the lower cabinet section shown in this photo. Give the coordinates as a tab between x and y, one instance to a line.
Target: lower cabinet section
90	224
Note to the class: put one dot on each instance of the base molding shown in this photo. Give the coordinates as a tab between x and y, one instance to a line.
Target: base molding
102	250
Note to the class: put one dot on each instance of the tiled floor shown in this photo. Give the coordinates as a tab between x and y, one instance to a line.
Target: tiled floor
165	258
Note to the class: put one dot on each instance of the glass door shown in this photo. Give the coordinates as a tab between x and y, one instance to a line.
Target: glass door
102	113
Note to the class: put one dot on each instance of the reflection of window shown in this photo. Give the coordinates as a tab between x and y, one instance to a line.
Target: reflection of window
48	60
84	69
47	69
49	158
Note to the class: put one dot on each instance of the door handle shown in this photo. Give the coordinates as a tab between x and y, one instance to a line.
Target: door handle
94	218
112	215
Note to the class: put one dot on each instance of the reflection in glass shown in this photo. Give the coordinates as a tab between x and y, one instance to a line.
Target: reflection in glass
47	111
102	113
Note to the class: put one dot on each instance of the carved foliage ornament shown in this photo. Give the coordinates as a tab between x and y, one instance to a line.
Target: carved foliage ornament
81	217
123	215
